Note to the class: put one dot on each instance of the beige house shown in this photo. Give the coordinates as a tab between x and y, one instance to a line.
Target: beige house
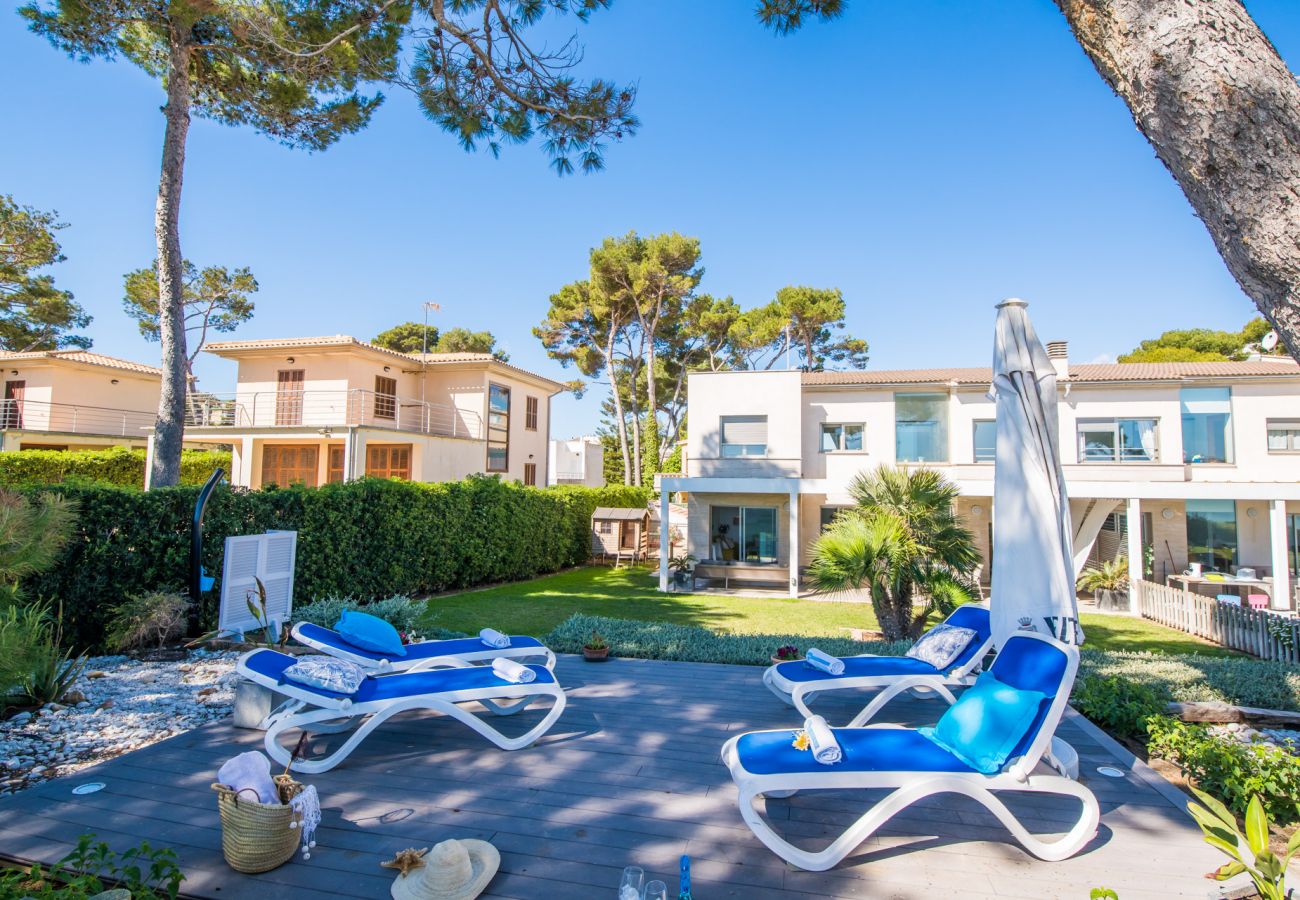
325	409
1180	463
76	400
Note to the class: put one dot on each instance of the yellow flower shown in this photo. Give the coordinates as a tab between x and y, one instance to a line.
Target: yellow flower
801	741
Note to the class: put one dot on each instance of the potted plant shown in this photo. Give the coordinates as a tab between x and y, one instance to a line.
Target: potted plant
596	649
787	653
1108	583
683	569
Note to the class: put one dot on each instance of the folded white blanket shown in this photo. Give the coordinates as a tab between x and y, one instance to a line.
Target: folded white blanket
494	639
251	770
509	670
824	661
821	740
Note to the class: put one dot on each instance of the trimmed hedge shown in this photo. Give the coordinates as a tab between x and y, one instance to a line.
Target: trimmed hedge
691	643
363	539
1240	680
113	465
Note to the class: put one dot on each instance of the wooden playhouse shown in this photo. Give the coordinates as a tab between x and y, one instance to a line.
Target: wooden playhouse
621	534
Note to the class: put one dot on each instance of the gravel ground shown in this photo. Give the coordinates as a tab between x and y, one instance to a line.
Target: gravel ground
1281	738
118	705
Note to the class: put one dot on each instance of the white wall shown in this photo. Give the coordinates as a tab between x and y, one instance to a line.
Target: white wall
773	394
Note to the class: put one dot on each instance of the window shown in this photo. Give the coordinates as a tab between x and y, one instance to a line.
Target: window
334	470
13	406
746	533
1207	425
498	434
1284	435
842	438
286	464
1212	533
828	516
530	413
1117	440
985	440
606	526
530	474
389	461
921	427
385	397
744	436
288	396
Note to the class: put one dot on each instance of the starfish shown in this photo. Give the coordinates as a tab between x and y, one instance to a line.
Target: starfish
407	861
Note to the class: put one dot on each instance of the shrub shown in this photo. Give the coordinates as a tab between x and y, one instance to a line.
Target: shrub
145	871
1117	704
32	532
46	670
147	620
1241	680
402	613
361	539
690	643
1229	769
114	465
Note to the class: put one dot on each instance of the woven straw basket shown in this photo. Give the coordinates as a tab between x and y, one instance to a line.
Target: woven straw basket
257	837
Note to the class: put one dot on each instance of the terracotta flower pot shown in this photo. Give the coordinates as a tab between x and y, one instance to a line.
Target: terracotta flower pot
777	659
599	655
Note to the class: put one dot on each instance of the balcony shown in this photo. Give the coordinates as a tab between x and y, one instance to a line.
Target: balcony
71	418
330	409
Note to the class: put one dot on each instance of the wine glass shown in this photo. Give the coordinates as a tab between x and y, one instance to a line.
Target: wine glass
655	890
630	887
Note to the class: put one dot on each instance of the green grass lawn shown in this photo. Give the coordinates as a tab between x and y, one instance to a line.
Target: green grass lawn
535	607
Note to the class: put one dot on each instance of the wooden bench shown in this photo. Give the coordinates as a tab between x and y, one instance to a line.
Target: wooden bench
741	571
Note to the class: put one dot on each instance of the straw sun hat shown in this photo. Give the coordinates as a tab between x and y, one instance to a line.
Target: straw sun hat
452	870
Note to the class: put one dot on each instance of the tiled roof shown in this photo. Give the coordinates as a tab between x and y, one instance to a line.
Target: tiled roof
85	357
1172	371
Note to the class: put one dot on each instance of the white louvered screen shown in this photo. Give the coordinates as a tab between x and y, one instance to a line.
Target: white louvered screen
249	557
744	429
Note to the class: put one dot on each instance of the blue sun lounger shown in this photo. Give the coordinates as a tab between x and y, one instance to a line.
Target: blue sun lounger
796	682
380	697
912	767
424	654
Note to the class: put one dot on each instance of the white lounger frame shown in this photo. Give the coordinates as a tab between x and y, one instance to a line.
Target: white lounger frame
800	693
486	655
305	709
1038	771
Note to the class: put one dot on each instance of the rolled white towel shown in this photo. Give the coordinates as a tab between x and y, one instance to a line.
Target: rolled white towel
824	661
494	639
821	740
509	670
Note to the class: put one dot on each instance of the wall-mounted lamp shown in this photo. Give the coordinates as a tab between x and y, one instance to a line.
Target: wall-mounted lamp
326	433
1252	511
114	381
13	371
289	360
385	368
977	510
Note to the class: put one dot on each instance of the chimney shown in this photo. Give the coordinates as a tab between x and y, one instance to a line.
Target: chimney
1058	352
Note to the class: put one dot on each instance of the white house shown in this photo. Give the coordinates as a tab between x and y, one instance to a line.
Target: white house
315	410
579	460
1185	462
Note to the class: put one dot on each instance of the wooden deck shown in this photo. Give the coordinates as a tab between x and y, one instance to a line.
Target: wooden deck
629	775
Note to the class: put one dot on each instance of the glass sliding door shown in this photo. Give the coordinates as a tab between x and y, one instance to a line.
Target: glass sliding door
1212	533
743	533
921	427
1207	425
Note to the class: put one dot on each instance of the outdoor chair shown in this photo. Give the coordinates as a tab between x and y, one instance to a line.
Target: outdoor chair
796	682
1258	601
422	655
378	698
912	767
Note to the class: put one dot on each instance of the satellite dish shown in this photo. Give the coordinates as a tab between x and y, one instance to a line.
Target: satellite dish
1269	341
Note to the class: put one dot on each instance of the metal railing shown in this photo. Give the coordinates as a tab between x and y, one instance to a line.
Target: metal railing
323	409
1259	632
40	415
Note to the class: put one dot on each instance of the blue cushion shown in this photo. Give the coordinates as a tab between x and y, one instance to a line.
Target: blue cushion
369	633
864	749
986	723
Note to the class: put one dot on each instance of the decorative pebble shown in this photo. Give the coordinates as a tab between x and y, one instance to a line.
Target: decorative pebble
149	701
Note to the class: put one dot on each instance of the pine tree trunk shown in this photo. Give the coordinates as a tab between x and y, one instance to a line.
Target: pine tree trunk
169	431
618	409
1221	109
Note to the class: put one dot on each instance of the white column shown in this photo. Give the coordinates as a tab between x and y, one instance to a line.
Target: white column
795	548
244	478
148	461
665	548
1136	562
1280	557
349	450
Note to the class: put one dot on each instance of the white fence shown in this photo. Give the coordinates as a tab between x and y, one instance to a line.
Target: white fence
1258	632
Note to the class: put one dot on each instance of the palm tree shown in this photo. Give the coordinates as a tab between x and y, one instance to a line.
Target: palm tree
903	540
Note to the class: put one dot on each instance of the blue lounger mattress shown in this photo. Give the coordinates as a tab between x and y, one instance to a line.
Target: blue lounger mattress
415	652
864	749
858	667
403	684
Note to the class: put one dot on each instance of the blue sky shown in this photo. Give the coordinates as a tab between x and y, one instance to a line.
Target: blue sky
928	158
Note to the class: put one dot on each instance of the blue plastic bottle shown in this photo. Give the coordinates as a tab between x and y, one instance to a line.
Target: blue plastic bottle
684	886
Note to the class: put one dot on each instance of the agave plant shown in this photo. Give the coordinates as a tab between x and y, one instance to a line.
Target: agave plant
1265	867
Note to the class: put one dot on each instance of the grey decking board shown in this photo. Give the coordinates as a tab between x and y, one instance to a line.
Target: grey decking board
630	774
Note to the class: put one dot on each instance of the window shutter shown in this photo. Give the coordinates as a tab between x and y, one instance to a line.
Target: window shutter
249	557
744	430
